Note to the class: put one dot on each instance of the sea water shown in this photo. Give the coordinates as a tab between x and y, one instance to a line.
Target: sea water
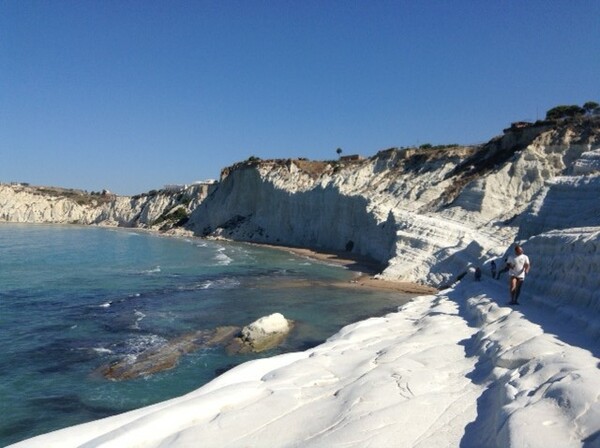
74	299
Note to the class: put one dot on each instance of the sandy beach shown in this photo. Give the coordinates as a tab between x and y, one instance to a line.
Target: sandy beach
364	268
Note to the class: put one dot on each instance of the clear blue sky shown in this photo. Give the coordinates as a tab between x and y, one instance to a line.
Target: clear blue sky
132	95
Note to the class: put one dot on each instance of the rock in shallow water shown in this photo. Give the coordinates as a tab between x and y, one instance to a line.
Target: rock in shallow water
263	334
167	356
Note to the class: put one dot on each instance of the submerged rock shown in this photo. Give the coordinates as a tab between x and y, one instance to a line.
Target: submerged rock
263	334
167	356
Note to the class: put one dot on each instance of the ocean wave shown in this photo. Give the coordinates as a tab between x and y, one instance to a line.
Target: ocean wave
152	271
105	305
222	258
139	316
135	346
102	350
221	283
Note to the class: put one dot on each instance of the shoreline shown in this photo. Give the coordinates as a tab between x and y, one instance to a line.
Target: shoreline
364	268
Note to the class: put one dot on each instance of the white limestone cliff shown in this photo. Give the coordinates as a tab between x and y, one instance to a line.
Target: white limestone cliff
26	204
389	207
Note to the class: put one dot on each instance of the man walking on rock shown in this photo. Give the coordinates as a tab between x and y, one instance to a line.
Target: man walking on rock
518	267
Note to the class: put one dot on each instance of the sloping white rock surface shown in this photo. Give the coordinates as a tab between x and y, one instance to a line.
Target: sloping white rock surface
459	368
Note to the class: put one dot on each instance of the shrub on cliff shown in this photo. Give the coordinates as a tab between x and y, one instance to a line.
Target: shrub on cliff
178	217
591	107
564	111
571	111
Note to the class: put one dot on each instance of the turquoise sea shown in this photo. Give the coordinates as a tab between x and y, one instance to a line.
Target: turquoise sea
73	299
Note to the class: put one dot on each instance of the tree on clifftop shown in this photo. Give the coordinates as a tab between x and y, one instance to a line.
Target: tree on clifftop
339	151
563	111
591	106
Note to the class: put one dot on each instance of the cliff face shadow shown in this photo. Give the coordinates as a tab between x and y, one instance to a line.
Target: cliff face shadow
481	431
556	209
568	326
592	441
321	218
490	421
555	323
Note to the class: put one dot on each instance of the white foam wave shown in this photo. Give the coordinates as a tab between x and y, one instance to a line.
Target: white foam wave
222	283
105	305
137	345
222	258
139	316
102	350
152	271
